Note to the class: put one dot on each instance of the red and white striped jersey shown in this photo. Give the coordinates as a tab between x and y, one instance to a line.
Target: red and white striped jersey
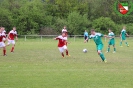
62	41
12	34
2	35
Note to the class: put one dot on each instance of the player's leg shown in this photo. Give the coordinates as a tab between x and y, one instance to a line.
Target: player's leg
121	42
4	51
99	50
126	43
61	51
108	48
65	48
85	37
4	48
113	43
13	45
114	48
9	42
109	43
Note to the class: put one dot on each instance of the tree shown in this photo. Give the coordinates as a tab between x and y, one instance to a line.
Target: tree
102	24
77	23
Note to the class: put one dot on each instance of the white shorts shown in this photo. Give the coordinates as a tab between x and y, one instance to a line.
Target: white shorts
11	42
2	44
62	49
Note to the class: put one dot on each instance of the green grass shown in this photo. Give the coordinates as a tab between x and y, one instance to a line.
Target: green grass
36	64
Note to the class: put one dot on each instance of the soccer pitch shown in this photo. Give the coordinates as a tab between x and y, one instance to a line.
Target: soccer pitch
36	64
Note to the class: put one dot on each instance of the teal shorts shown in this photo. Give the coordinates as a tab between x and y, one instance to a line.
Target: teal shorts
123	38
99	47
111	42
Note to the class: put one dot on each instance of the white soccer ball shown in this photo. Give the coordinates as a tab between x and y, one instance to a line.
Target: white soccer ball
85	50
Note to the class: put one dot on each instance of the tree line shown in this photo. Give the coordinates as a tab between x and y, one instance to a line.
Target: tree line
36	16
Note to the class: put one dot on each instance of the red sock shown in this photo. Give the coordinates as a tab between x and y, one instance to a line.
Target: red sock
62	54
66	52
4	52
12	49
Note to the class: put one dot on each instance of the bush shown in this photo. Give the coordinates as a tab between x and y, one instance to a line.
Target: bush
102	24
77	23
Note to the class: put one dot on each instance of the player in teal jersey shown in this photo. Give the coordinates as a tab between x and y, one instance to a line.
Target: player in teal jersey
123	36
111	37
97	39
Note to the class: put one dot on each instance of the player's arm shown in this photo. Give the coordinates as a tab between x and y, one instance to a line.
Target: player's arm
57	38
16	38
8	36
127	34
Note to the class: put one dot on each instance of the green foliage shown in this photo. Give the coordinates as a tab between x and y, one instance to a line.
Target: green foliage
29	16
77	23
103	24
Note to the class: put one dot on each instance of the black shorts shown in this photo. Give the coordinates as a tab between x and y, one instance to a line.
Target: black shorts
85	37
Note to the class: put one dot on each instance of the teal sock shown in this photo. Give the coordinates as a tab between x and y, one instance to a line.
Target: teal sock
108	49
114	49
120	43
126	43
102	56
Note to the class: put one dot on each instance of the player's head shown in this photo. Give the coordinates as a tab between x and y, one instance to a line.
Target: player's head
2	28
64	27
93	32
63	34
110	30
124	27
14	28
85	31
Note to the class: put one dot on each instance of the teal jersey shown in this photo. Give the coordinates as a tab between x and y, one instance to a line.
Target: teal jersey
97	38
123	33
111	35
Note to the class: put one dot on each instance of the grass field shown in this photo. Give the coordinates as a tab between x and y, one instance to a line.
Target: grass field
36	64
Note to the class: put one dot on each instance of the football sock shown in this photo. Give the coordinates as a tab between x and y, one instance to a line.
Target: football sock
108	49
62	54
4	52
102	56
66	52
12	49
114	49
126	43
120	43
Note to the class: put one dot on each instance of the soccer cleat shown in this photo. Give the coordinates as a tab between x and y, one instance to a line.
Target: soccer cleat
5	55
105	61
114	52
68	55
63	57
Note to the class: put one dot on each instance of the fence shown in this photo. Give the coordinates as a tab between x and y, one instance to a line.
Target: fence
53	36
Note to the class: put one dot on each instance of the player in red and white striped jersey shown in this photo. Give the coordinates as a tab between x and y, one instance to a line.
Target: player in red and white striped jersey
11	38
62	44
2	44
64	30
3	31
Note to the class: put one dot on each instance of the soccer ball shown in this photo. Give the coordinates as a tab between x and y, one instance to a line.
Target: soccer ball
85	50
